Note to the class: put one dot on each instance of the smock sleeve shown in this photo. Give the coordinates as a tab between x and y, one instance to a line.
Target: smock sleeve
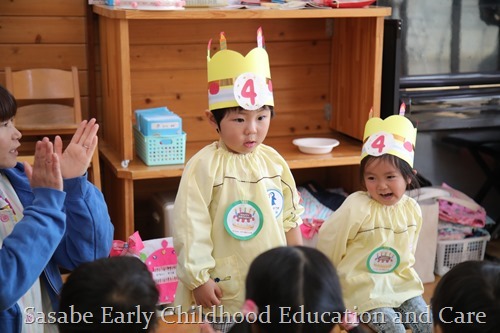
193	224
341	227
293	209
415	213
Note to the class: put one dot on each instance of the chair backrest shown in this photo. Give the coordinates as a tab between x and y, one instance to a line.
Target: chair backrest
48	100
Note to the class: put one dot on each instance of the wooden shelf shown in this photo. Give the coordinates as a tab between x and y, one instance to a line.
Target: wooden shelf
329	76
347	153
221	13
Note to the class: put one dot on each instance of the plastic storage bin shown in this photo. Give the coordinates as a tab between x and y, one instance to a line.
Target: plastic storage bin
452	252
160	150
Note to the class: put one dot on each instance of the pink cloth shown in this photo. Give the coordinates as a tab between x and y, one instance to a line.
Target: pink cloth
461	209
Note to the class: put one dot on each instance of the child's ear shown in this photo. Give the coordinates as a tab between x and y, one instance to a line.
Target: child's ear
408	181
211	120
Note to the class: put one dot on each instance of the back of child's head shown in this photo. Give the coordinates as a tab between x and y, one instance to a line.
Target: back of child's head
286	282
107	288
467	298
8	104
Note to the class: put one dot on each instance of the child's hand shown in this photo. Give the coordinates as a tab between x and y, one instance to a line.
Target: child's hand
46	170
208	294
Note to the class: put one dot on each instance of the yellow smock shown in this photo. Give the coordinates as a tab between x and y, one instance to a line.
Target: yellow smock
217	185
373	248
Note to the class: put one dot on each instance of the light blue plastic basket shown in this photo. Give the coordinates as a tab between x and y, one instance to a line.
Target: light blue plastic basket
160	150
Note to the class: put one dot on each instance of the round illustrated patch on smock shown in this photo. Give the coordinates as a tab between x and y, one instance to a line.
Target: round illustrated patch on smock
250	91
383	260
379	143
276	200
243	220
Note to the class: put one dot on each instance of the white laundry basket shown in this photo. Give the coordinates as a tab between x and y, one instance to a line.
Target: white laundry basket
452	252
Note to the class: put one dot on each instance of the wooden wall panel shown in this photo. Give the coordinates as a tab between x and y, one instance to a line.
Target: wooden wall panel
169	69
43	8
155	32
42	30
39	56
194	103
49	33
178	56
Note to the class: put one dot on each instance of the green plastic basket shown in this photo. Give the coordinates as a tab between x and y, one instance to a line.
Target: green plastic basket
160	150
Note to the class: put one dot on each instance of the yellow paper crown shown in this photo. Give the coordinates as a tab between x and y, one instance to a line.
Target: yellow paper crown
237	80
394	135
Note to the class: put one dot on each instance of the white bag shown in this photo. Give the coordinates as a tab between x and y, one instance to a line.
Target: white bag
425	255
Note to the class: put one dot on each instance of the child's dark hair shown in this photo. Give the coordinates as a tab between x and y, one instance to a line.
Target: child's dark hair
293	279
471	286
219	114
400	164
8	104
122	283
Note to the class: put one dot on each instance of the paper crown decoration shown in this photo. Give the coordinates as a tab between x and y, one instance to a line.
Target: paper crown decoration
237	80
394	135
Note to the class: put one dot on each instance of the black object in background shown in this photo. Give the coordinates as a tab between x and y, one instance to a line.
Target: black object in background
391	63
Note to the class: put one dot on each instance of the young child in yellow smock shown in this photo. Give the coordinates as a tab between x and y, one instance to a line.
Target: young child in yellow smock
371	239
237	197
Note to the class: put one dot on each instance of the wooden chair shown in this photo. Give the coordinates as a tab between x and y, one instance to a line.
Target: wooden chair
48	100
48	104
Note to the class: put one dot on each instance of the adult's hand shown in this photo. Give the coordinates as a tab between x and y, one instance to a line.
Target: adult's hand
46	170
76	157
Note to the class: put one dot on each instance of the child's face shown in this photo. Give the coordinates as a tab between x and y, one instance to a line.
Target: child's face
384	182
242	130
9	142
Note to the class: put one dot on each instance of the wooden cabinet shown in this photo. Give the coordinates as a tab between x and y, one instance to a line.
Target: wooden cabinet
325	66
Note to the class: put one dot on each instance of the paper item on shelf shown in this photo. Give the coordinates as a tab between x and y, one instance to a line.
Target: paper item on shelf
302	5
207	3
242	6
158	121
161	124
152	111
147	4
160	111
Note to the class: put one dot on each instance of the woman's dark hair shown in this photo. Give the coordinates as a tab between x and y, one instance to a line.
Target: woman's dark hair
290	280
400	164
219	114
122	283
471	286
8	104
